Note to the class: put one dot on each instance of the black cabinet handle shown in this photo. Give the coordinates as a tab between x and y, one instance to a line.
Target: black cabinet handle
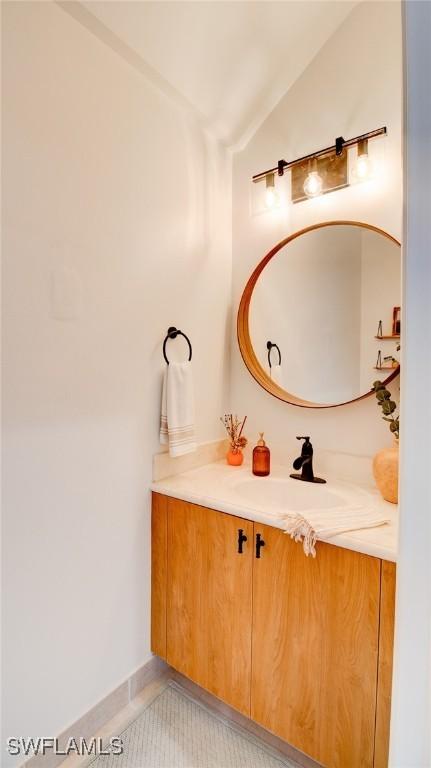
241	539
259	544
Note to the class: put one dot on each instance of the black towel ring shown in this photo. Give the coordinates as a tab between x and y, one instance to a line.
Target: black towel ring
172	334
269	346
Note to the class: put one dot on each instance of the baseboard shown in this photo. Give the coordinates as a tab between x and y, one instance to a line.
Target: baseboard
106	709
228	713
102	712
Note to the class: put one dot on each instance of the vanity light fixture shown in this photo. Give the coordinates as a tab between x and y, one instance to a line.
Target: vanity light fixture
322	171
313	183
271	196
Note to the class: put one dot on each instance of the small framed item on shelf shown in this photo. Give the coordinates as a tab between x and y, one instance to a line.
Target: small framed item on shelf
379	330
396	321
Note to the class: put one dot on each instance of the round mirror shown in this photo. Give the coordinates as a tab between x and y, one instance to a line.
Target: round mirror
319	319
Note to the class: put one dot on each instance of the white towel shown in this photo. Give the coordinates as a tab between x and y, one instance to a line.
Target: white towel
177	421
324	524
276	374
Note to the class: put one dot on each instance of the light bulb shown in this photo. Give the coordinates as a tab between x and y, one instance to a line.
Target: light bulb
313	184
362	169
271	196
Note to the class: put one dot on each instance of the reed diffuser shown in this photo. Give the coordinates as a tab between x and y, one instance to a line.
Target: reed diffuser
234	428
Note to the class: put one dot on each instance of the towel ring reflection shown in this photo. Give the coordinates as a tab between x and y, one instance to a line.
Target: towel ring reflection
269	346
172	334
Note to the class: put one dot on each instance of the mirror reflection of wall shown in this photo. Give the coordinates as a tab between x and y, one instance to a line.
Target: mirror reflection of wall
320	299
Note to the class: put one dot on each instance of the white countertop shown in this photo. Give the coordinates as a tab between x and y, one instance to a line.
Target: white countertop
218	486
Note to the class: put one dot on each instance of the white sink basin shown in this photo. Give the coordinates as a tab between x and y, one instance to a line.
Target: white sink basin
285	494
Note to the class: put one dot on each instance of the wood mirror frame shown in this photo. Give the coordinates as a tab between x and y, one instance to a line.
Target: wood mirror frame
243	330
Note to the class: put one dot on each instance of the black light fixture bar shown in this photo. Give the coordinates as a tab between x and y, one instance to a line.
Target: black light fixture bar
340	144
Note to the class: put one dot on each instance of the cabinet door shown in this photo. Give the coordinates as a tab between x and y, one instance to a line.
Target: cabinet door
209	600
314	648
159	565
384	680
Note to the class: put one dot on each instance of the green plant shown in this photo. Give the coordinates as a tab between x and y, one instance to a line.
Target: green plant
388	407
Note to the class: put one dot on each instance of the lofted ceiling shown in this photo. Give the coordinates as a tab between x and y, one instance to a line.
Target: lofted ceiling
231	61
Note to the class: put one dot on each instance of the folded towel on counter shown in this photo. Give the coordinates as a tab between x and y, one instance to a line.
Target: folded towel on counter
324	524
276	372
177	421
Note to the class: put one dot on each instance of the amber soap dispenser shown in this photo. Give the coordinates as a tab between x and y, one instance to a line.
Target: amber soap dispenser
261	458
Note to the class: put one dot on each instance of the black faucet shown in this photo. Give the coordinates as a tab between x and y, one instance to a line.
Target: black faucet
305	461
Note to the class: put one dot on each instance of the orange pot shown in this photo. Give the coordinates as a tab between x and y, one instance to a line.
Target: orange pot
385	471
235	457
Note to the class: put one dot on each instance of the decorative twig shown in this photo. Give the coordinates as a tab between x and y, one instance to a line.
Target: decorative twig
242	427
234	429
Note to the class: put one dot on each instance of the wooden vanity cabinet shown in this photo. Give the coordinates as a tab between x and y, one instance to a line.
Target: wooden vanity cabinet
208	598
315	644
303	646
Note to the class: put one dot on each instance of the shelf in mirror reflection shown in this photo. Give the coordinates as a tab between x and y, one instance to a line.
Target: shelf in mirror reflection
386	368
388	338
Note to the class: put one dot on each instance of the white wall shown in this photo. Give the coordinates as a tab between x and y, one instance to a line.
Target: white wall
411	702
116	226
352	86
